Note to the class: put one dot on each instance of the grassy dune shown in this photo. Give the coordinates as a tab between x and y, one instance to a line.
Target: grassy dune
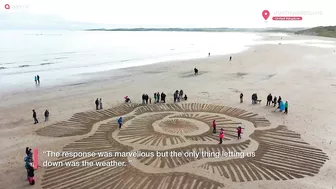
324	31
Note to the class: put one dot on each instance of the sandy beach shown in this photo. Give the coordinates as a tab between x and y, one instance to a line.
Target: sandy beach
303	76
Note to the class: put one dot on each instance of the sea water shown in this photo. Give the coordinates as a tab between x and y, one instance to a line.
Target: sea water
58	56
63	56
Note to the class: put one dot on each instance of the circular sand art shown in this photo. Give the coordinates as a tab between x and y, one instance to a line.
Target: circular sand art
280	154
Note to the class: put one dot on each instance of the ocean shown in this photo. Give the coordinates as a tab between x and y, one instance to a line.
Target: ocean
58	56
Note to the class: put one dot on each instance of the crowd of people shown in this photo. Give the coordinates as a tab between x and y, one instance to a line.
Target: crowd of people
157	98
270	100
178	96
277	101
46	116
29	166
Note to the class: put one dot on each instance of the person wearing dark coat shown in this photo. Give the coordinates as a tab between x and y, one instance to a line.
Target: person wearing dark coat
269	99
146	98
275	101
181	94
175	97
158	97
97	104
196	71
35	118
163	97
279	100
46	115
241	97
185	97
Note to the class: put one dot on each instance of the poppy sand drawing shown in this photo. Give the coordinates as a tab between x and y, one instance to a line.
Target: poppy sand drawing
158	128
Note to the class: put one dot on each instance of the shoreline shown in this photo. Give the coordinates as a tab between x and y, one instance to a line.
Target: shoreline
302	75
264	39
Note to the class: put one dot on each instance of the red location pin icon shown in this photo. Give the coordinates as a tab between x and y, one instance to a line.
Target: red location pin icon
265	14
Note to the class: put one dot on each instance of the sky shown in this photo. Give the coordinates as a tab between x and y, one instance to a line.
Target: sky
164	13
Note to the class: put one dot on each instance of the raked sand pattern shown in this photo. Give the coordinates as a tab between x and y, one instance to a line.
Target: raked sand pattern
280	154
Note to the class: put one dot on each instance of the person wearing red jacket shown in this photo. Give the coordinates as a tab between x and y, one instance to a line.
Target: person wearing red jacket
214	126
239	132
221	136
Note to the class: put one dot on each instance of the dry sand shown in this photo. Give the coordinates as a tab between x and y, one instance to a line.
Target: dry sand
303	76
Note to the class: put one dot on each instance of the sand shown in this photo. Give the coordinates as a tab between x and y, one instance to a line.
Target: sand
292	151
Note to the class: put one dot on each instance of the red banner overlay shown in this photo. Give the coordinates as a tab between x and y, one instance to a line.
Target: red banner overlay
35	158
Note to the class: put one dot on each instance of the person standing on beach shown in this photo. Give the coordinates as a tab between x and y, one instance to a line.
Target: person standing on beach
274	101
230	58
221	136
158	97
163	97
30	173
38	79
214	126
175	97
27	161
143	98
46	115
279	100
97	103
181	94
286	107
101	103
146	98
35	79
269	99
120	122
282	106
34	116
239	132
155	98
196	71
208	54
241	97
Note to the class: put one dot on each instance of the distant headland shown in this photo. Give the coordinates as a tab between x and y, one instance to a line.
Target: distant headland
286	30
323	31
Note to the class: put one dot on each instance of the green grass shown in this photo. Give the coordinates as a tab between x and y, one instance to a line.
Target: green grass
324	31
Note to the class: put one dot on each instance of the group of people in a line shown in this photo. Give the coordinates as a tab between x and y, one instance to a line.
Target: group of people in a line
29	166
157	98
221	134
99	104
37	79
277	101
283	106
46	116
178	96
